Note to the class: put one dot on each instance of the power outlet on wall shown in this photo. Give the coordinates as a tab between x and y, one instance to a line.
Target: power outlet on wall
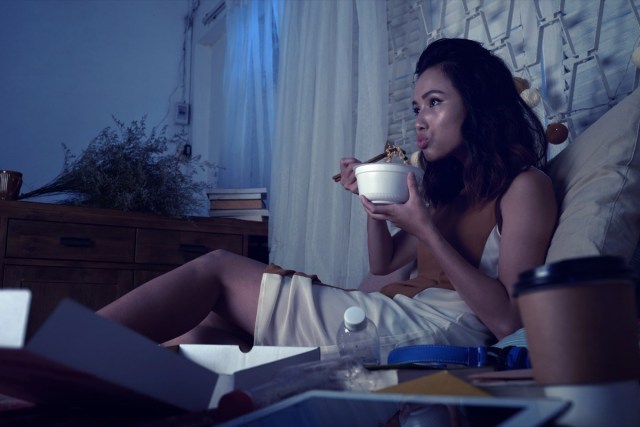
182	110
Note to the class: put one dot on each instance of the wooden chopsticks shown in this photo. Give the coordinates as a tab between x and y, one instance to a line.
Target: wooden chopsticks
387	147
377	158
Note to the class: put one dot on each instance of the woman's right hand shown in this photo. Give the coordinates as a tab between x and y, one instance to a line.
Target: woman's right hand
410	216
348	175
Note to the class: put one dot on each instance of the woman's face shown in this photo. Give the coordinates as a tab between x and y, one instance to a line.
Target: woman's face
439	116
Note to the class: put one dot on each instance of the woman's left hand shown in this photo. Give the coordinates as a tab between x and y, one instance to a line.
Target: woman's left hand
410	216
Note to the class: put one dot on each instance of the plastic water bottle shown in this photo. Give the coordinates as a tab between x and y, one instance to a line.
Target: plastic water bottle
358	337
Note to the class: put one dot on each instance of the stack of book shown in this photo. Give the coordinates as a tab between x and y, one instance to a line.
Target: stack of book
242	203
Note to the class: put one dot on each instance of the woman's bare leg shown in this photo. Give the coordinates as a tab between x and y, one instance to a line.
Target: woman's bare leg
214	330
176	302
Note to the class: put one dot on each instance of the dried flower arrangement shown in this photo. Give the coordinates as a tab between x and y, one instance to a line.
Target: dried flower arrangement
124	168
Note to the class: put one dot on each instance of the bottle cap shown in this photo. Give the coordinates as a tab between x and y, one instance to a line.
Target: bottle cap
354	318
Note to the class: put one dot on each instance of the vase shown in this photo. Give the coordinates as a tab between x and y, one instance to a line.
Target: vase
10	183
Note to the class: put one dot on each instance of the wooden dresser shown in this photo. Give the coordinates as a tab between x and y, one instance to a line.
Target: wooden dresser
96	255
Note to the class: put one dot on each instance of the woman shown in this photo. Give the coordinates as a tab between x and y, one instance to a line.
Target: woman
487	214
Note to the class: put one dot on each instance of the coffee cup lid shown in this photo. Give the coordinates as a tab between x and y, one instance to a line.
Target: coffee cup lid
574	271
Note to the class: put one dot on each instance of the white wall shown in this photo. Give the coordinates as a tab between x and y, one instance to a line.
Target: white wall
67	66
209	51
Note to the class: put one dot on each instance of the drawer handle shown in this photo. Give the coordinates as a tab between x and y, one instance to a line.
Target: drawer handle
77	242
199	249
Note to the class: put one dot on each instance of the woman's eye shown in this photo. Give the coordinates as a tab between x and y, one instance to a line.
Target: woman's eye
433	102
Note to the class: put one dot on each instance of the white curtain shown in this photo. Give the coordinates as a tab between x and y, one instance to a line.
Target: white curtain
332	97
249	90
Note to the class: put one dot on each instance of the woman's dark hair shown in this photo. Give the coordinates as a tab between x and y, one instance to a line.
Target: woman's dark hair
501	132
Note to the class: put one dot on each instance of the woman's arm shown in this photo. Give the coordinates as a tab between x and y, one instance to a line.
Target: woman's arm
386	253
528	211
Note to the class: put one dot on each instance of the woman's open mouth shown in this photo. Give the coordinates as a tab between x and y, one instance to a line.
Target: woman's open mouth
422	142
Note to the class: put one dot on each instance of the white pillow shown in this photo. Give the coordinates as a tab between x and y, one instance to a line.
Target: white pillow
597	182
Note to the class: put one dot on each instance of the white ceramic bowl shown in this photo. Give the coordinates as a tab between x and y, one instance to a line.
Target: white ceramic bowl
385	183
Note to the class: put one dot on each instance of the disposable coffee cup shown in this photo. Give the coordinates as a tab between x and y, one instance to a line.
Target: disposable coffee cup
597	405
581	321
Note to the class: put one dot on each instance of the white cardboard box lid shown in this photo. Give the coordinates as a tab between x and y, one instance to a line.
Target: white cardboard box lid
76	337
193	379
239	370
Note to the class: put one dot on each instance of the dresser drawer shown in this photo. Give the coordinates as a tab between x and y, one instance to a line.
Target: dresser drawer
91	287
177	247
68	241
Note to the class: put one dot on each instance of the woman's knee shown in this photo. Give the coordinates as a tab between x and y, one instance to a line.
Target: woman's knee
226	266
217	257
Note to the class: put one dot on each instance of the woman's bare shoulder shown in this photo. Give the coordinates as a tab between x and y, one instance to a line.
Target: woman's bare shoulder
530	191
531	182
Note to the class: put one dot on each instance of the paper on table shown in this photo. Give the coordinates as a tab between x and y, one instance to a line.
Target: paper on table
442	383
